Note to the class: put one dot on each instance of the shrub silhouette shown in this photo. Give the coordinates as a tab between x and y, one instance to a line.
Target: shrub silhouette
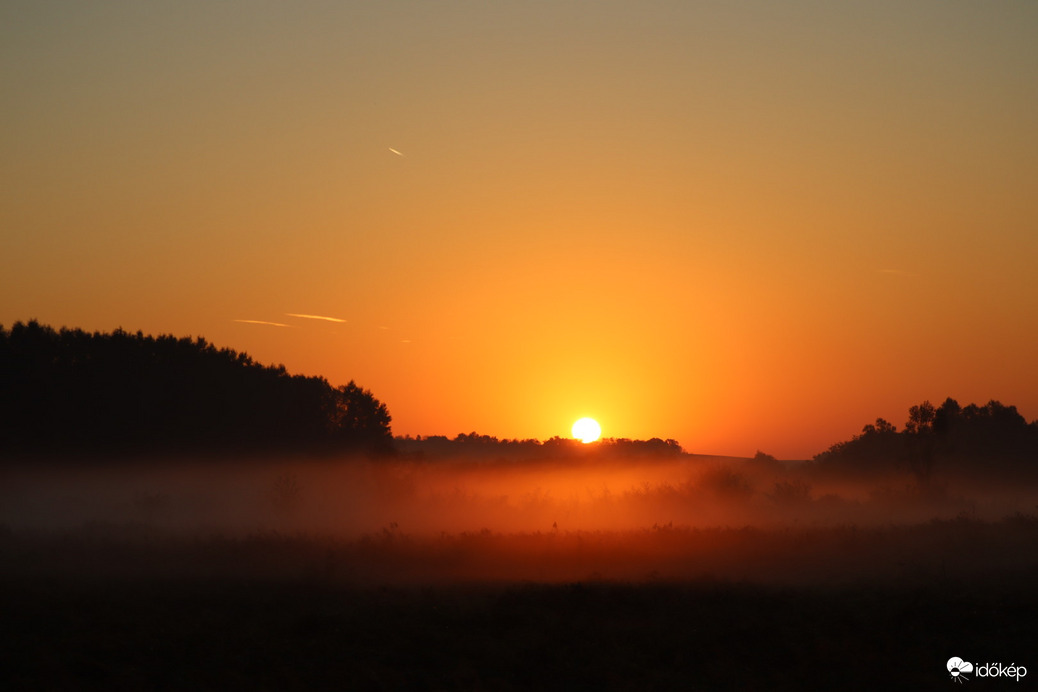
791	493
726	482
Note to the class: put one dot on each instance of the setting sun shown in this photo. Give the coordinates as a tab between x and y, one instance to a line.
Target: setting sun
587	430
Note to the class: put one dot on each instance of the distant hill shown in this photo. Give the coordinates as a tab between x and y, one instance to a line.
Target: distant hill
72	392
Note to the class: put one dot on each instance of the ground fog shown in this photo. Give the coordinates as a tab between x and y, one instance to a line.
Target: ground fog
414	520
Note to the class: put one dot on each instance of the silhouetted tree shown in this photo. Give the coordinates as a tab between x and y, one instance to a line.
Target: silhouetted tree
920	418
764	463
947	417
880	427
361	419
489	448
72	391
920	442
878	448
993	438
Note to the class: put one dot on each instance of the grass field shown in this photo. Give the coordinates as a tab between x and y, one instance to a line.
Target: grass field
128	607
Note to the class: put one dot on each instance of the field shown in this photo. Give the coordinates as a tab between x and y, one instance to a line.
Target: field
248	580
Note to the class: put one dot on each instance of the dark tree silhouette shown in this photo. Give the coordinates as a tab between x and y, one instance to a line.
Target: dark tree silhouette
993	439
920	419
361	419
920	442
489	448
881	427
70	391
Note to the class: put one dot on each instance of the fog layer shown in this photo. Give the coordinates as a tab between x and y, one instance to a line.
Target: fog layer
411	520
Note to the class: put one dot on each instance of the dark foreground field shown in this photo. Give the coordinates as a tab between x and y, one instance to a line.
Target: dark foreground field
293	635
125	608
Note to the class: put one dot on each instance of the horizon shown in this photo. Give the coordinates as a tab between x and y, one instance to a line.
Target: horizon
744	228
601	440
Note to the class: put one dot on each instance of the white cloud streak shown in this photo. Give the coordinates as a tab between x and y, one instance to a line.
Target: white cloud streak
269	324
315	317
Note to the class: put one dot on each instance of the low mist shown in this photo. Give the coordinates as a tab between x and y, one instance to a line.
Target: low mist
648	518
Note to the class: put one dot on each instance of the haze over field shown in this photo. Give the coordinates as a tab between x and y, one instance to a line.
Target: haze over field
742	226
357	497
359	522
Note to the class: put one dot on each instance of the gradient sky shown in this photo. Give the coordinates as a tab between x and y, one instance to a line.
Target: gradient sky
741	225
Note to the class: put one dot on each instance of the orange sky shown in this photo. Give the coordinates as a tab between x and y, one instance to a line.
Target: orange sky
743	226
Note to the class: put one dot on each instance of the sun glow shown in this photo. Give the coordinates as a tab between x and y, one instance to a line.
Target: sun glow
587	430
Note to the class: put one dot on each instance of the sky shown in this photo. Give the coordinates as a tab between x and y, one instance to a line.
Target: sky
741	225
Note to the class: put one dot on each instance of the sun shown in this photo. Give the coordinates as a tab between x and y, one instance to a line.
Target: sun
587	430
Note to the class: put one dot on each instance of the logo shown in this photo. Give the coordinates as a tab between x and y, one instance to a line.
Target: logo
958	668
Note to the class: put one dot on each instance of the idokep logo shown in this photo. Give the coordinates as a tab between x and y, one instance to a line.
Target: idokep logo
958	669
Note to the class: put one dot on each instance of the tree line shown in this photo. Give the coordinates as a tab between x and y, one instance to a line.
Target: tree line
71	391
994	439
491	448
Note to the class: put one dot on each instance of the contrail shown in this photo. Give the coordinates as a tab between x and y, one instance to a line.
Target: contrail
272	324
314	317
395	151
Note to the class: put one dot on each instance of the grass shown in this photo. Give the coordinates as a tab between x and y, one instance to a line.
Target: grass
300	635
127	607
